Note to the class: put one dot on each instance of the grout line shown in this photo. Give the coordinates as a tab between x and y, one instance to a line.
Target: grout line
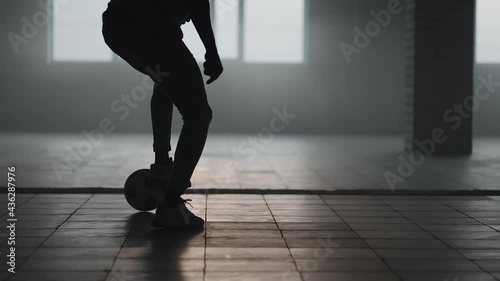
47	238
486	271
441	240
205	229
284	239
374	251
123	244
469	215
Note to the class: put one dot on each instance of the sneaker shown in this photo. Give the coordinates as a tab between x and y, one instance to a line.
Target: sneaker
160	174
176	218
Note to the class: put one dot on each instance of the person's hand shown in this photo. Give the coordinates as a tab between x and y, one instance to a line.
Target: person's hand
212	67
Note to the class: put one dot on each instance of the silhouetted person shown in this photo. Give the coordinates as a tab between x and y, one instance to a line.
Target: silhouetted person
147	34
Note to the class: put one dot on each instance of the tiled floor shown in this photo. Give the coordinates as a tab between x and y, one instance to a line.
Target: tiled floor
74	237
289	163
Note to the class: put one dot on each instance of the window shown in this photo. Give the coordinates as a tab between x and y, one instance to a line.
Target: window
227	24
258	31
274	31
487	31
193	41
76	31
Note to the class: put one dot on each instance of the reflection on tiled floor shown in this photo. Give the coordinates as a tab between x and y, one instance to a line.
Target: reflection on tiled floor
323	163
259	237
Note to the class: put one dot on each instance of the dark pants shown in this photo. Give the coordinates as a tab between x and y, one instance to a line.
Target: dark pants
178	81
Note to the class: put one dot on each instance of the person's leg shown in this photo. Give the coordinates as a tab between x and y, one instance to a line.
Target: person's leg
161	120
161	117
172	66
186	88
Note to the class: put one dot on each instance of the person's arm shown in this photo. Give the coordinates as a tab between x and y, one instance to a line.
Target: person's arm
199	12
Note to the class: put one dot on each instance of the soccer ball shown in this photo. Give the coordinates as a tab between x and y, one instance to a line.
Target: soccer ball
139	193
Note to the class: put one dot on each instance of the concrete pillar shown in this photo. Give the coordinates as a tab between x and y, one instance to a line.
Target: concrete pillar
440	76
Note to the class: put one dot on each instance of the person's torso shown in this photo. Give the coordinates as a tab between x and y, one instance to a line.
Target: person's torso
161	14
147	10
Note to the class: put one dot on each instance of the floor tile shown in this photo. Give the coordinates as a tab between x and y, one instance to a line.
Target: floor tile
247	253
432	265
489	265
75	242
333	253
241	226
126	275
386	214
281	219
481	254
234	233
82	232
67	264
244	242
474	244
450	276
350	276
344	265
59	276
365	243
405	244
164	243
83	253
160	253
313	226
380	220
96	225
325	242
215	218
454	228
471	235
248	265
333	234
366	234
157	265
419	254
384	227
254	276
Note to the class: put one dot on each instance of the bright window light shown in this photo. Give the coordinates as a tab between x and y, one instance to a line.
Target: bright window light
488	31
227	18
76	31
274	31
193	41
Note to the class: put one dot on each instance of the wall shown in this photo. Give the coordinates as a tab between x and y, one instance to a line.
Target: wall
328	94
443	50
487	115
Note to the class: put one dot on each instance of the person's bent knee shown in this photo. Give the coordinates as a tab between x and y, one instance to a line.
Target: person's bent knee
201	116
209	115
205	115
